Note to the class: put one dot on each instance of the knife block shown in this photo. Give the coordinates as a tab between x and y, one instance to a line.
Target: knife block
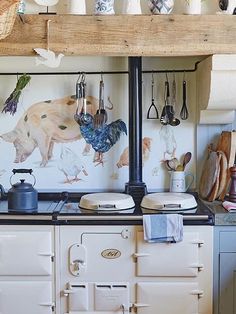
232	188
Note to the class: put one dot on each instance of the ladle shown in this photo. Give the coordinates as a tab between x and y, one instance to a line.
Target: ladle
165	118
174	121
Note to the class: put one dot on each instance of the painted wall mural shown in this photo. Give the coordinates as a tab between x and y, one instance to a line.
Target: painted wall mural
66	154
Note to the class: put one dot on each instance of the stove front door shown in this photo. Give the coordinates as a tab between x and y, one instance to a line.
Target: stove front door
167	298
24	297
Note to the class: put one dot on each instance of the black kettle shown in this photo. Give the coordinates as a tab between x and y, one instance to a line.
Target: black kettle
22	196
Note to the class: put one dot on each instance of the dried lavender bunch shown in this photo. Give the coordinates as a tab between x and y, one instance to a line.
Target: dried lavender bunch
12	101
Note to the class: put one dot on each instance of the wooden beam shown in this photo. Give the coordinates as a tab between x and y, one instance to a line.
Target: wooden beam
124	35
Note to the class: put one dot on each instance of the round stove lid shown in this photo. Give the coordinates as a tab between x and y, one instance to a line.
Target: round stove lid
169	201
106	201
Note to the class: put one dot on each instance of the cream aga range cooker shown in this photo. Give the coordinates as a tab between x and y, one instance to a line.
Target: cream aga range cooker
105	266
66	259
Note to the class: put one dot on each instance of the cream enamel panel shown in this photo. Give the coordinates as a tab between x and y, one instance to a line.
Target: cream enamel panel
168	259
108	253
25	253
25	297
167	298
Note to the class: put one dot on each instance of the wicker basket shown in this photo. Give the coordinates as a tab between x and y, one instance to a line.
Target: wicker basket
8	10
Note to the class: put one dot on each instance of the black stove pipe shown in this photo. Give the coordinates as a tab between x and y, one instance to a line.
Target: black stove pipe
135	187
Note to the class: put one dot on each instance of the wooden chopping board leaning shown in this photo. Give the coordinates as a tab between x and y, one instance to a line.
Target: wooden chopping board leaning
227	144
210	175
215	174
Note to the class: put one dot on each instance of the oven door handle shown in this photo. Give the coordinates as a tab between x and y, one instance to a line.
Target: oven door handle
136	255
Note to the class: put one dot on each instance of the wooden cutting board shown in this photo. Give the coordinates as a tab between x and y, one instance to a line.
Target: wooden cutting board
227	144
215	188
210	172
223	173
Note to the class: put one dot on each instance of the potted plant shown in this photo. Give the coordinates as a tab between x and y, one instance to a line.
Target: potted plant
192	6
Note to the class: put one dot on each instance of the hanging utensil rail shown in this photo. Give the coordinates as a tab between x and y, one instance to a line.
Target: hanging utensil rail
103	72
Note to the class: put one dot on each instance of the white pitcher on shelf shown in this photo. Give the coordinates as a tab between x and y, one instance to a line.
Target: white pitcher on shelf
76	7
132	7
192	6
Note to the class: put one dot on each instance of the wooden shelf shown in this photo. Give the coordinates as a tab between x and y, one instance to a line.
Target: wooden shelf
124	35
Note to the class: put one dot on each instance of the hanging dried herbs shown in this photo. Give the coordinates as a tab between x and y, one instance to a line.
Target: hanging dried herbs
12	101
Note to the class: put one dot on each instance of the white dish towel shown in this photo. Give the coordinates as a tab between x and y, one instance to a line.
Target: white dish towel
163	228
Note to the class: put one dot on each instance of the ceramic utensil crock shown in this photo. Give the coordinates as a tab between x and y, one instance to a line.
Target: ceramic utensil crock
178	181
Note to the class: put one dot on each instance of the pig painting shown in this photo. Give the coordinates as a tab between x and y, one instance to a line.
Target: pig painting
46	123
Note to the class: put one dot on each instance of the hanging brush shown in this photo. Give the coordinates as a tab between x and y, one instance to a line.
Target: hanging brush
10	104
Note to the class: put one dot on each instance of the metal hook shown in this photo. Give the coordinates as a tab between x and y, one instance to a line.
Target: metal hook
153	86
81	78
184	76
111	104
167	77
102	76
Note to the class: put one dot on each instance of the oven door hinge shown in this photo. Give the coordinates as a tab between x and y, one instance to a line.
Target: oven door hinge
200	267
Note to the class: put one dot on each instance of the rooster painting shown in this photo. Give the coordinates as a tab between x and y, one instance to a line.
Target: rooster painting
102	138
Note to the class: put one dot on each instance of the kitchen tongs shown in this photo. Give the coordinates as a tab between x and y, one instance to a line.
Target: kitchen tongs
80	117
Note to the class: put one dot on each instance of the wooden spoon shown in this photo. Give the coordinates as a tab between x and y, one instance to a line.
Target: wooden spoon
187	158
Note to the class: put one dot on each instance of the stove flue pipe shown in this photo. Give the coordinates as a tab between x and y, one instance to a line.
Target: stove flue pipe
135	187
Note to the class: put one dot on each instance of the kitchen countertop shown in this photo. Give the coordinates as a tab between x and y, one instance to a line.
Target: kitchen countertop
222	216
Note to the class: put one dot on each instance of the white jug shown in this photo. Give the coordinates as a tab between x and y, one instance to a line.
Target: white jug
178	181
132	7
76	7
192	6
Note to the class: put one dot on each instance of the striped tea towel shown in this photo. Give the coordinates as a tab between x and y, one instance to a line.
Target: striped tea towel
163	228
230	206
